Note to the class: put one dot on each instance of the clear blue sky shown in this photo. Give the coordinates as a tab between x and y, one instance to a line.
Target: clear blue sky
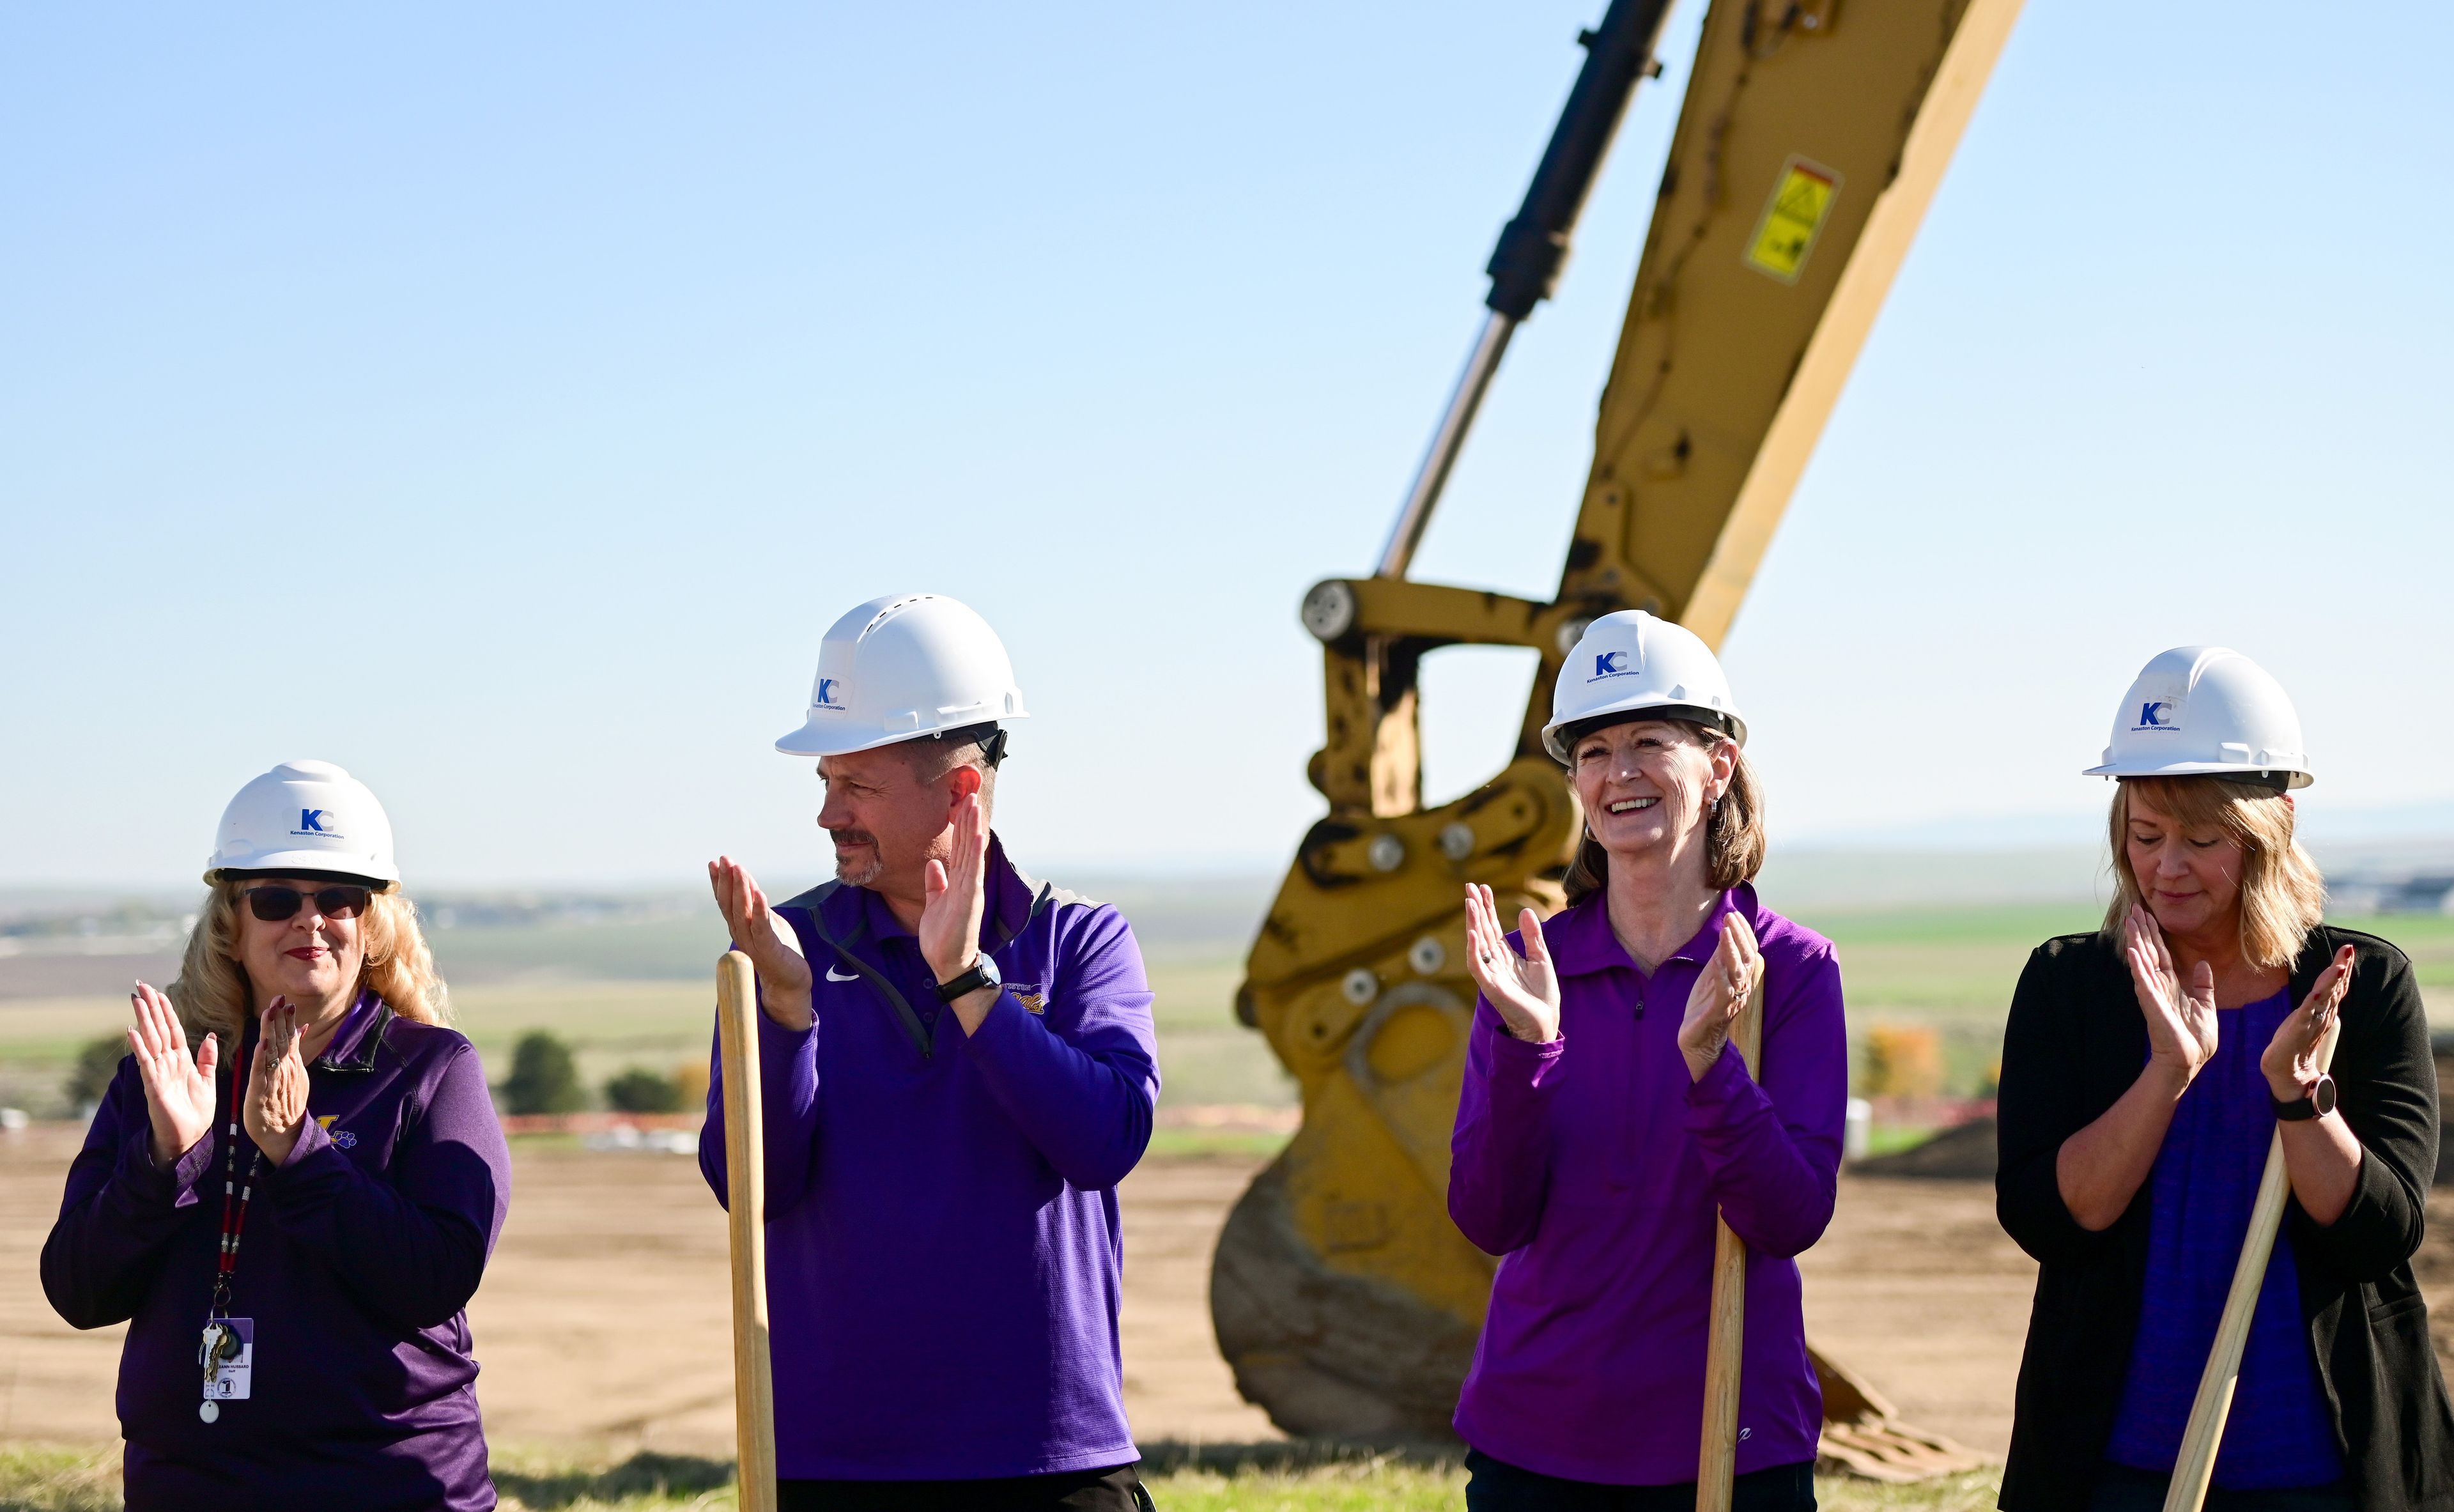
501	402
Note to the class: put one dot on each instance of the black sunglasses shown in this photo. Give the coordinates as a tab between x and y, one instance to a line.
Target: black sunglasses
273	904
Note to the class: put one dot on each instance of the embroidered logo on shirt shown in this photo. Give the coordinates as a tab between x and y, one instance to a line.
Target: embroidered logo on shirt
342	1139
1031	997
831	976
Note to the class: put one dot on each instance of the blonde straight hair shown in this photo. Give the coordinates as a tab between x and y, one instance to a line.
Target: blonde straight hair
1734	839
212	993
2282	895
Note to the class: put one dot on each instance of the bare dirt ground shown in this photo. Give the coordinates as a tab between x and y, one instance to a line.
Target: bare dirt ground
603	1317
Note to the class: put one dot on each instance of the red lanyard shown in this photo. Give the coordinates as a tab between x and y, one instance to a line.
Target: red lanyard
234	1197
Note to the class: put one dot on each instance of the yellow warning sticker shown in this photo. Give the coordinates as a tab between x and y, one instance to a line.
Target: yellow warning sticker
1799	202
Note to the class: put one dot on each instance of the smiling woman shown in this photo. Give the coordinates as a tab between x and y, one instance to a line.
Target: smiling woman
320	1355
1610	1114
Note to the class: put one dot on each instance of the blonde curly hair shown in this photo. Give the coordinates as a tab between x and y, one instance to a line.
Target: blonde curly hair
211	991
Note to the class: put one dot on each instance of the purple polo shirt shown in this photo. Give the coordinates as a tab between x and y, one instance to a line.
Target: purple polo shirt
944	1260
361	1251
1592	1167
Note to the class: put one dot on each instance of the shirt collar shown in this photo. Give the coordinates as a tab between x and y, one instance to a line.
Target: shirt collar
349	1048
1580	939
1008	903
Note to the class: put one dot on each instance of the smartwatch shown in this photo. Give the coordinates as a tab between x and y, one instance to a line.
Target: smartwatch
984	973
2315	1103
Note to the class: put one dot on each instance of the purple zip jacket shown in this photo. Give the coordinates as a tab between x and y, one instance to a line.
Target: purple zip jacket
360	1252
944	1260
1593	1166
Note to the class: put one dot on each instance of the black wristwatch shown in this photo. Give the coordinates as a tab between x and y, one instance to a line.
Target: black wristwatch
2315	1103
983	974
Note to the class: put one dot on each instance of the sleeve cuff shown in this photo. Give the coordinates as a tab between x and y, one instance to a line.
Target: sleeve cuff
1002	1022
774	1036
151	1183
1713	1092
1525	1062
312	1142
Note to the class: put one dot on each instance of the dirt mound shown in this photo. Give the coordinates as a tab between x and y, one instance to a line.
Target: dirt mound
1966	1153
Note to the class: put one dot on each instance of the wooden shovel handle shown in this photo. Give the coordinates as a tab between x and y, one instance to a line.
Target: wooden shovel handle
1717	1461
754	1382
2196	1465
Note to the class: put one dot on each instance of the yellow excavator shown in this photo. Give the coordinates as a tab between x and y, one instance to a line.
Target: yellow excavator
1812	138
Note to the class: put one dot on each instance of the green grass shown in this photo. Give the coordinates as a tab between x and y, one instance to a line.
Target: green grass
1182	1143
39	1478
1891	1138
1214	1478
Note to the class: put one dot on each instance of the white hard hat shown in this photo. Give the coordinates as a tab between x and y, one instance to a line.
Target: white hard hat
1632	663
305	816
2205	711
902	667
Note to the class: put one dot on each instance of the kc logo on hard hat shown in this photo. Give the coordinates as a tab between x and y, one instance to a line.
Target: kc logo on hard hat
1608	664
827	698
312	821
2156	714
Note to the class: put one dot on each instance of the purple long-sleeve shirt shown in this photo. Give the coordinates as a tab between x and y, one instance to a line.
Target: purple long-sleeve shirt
944	1260
360	1253
1594	1166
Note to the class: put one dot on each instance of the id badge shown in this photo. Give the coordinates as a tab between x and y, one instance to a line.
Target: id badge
229	1358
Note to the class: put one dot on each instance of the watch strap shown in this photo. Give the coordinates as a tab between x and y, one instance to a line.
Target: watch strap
2315	1103
969	982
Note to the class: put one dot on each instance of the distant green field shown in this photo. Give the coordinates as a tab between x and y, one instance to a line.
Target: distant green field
630	996
660	1023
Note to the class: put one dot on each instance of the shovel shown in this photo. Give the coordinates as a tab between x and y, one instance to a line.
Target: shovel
753	1384
2196	1465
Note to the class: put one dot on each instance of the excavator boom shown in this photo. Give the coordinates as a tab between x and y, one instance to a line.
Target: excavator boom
1811	139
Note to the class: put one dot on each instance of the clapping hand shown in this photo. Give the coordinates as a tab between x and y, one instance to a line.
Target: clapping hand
783	975
2181	1019
954	900
276	1085
1524	989
1720	994
2291	1058
178	1087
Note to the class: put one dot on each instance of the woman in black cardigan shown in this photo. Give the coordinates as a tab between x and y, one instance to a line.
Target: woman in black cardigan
2145	1070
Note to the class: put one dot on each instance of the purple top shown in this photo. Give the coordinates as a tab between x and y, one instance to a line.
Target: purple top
360	1252
2280	1432
943	1255
1592	1165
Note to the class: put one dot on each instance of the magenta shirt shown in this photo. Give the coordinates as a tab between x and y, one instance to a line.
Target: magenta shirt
1592	1167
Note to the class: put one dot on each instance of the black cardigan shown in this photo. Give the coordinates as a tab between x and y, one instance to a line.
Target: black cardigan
2075	1044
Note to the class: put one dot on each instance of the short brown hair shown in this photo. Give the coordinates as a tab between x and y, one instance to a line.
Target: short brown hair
2282	895
933	757
1734	840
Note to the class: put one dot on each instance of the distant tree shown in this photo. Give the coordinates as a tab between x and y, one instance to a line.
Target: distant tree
690	1080
640	1090
544	1078
95	1065
1903	1061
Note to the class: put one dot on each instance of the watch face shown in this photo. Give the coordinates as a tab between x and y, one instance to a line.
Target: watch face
2322	1096
989	977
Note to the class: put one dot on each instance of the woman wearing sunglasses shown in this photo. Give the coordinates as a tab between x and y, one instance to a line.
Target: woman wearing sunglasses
290	1189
